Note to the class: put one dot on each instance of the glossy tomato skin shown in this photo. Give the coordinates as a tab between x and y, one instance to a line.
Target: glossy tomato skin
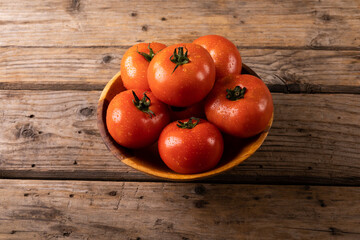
193	150
134	66
244	117
224	53
195	110
129	126
189	83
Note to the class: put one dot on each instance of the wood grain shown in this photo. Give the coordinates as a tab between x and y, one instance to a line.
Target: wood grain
291	71
118	210
52	134
267	23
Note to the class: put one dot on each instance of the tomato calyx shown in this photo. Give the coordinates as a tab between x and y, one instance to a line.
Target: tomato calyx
236	93
189	124
149	56
179	57
143	104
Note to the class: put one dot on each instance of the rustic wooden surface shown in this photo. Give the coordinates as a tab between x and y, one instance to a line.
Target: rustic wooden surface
131	210
57	55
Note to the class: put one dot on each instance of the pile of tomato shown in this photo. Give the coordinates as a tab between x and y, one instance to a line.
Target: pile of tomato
184	97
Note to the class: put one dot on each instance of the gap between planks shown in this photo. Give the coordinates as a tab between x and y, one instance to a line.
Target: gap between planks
274	88
22	177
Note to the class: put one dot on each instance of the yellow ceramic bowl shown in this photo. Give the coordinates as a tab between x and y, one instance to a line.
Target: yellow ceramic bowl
148	160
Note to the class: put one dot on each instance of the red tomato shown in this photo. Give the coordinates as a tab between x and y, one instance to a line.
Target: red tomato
134	122
240	105
190	146
135	62
182	74
224	53
196	110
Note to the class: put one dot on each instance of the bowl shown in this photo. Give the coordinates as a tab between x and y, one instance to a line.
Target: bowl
148	161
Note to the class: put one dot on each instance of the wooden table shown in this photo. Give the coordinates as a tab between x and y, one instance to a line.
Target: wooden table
60	182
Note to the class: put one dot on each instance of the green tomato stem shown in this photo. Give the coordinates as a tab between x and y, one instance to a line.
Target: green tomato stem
236	93
189	124
149	56
179	57
143	104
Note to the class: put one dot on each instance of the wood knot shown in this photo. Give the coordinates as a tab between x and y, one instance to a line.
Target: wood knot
200	203
300	130
107	59
144	28
112	193
163	223
325	17
26	131
133	14
200	190
163	19
66	231
158	222
87	111
322	39
322	203
74	6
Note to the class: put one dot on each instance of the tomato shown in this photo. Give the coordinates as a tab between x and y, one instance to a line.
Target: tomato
240	105
135	123
195	110
135	62
224	53
191	146
182	74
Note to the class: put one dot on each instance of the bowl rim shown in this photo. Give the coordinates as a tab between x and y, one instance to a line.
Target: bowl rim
127	158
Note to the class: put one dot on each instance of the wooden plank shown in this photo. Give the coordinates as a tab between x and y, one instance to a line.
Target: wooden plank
267	23
130	210
292	71
315	139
